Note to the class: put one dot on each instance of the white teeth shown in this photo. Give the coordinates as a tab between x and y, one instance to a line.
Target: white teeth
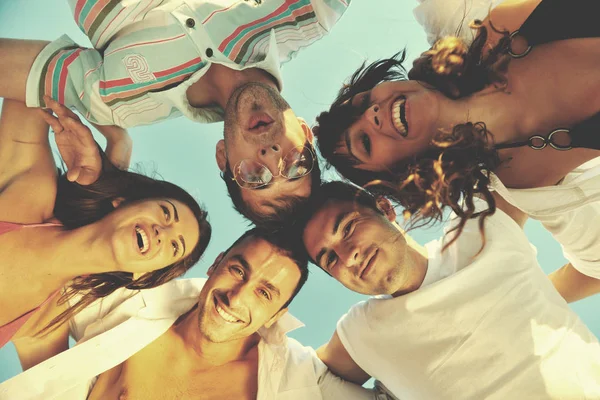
397	117
144	237
226	316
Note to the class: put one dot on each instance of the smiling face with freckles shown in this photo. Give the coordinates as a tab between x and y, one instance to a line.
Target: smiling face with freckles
149	235
246	290
399	121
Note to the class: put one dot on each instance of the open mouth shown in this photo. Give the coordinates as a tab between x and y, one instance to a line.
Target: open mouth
259	122
369	264
224	314
399	116
142	240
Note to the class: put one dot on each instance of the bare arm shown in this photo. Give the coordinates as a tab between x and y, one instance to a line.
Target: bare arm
572	284
15	63
27	169
118	144
337	359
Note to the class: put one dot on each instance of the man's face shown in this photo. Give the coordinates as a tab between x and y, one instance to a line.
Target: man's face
245	291
261	126
358	246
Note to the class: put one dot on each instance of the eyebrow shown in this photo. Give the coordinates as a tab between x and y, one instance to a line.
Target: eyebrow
174	211
239	258
336	226
349	147
183	244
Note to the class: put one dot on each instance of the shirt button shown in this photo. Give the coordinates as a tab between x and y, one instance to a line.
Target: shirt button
209	52
190	23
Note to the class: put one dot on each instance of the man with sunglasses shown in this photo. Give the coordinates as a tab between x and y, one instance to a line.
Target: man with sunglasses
266	157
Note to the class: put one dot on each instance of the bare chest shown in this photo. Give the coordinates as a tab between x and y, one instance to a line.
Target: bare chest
150	374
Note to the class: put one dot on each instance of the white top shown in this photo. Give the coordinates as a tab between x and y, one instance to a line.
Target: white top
570	211
489	326
110	331
441	18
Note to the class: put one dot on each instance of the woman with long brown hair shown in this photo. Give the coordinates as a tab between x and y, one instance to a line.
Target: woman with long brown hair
517	112
60	240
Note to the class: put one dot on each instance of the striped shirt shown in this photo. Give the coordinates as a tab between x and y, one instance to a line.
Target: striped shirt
147	53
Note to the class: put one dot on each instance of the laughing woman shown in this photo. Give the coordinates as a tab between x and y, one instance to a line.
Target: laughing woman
516	113
59	239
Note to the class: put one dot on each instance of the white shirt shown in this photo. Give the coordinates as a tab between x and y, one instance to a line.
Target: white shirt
487	326
570	211
110	331
441	18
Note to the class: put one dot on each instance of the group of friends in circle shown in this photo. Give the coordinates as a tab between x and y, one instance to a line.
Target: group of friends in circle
496	123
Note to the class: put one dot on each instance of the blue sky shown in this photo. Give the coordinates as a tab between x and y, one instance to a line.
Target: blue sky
183	152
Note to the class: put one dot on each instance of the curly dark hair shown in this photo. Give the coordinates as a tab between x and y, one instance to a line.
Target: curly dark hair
77	205
456	167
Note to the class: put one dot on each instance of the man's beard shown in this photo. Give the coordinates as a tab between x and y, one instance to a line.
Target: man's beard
256	89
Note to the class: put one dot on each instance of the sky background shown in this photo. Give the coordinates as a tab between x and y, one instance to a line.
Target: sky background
183	152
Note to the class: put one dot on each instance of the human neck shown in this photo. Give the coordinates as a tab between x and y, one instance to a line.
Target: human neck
209	354
219	83
68	254
415	266
490	106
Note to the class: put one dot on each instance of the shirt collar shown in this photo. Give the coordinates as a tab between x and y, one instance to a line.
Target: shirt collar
277	333
434	271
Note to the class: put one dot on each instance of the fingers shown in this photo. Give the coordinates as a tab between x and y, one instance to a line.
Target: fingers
60	110
51	120
73	173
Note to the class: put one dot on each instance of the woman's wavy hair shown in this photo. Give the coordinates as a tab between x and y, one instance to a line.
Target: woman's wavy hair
456	167
78	205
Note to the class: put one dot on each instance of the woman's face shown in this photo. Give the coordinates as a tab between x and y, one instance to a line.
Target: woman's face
149	235
400	120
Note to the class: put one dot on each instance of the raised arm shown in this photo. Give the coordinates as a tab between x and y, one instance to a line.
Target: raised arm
27	169
337	359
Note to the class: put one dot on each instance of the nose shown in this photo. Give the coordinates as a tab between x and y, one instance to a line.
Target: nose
161	233
349	254
271	156
373	115
236	295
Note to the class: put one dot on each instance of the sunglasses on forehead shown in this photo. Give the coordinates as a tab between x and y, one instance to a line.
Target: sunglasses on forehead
251	174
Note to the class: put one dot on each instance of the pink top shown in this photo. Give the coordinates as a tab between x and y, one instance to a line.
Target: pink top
8	331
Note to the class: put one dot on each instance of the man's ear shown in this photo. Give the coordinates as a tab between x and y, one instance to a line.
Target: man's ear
221	155
214	265
386	208
117	201
275	318
306	129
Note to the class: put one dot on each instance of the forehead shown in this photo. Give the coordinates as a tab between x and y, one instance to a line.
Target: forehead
277	195
319	229
266	262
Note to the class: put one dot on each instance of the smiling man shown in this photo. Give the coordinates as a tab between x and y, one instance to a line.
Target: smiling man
218	338
476	320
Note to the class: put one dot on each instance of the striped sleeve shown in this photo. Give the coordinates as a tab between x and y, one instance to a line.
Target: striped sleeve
329	11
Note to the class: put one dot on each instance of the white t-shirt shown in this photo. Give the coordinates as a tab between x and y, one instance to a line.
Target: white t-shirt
487	326
441	18
570	211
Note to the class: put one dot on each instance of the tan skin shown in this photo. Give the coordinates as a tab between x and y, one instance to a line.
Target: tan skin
211	358
529	105
36	262
570	283
215	88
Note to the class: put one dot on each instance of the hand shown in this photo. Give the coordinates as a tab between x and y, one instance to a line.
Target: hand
75	142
